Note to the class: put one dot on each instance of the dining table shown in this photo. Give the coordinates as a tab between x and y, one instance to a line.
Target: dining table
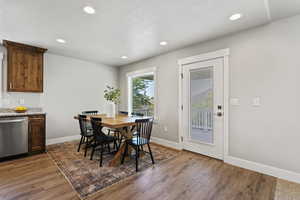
124	124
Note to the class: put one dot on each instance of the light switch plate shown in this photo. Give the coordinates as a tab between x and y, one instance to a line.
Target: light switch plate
165	128
234	101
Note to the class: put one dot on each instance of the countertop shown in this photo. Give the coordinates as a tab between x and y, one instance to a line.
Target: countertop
7	112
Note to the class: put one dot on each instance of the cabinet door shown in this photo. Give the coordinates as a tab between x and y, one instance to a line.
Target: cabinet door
16	70
24	69
34	72
36	134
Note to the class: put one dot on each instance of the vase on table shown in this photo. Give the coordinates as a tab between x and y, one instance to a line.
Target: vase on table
112	110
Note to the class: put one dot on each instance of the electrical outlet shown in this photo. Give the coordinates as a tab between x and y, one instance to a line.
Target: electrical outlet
256	101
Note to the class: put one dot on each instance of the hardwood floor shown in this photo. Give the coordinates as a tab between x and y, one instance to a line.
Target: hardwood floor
188	176
191	176
287	191
33	178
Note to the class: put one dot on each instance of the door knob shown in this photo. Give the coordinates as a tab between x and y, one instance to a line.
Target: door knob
219	114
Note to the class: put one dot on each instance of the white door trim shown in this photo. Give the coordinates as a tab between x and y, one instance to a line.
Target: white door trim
223	53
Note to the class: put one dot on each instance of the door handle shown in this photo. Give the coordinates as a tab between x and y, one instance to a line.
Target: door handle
11	121
219	114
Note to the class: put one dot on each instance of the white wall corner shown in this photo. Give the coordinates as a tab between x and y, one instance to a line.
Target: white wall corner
268	10
62	139
167	143
264	169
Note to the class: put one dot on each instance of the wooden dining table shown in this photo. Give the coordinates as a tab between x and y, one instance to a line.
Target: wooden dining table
124	124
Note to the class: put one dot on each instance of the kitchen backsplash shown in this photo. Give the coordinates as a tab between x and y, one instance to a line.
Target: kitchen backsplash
10	100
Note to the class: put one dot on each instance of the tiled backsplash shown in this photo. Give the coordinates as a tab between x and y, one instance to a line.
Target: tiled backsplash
10	100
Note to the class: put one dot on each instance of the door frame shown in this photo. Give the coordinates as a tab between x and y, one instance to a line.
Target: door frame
223	53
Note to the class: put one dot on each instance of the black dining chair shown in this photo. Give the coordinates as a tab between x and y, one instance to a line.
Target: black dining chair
90	112
101	140
85	132
143	135
123	112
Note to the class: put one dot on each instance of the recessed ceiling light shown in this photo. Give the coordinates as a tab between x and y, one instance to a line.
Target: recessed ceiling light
60	40
163	43
124	57
89	10
235	16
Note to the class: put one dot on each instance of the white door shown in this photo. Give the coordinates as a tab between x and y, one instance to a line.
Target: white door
203	119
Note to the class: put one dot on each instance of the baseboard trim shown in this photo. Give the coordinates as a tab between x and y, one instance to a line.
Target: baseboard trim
62	139
264	169
166	143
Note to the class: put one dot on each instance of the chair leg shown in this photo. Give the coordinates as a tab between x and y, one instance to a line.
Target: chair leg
86	146
93	151
118	135
137	152
142	148
101	155
116	145
124	153
120	140
108	146
80	144
151	154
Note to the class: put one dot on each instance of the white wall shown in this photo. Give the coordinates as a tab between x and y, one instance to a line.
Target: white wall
70	86
264	62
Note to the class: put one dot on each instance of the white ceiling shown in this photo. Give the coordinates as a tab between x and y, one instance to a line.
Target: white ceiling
130	27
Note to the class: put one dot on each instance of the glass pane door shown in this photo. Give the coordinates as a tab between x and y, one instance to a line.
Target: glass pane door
201	105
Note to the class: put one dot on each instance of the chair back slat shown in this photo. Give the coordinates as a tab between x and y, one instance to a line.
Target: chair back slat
82	124
90	112
123	112
144	128
97	128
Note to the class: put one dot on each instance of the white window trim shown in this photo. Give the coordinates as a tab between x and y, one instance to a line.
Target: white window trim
134	74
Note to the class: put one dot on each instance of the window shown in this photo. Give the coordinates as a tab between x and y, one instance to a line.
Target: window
142	92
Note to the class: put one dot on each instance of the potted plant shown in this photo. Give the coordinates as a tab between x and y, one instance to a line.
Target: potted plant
112	95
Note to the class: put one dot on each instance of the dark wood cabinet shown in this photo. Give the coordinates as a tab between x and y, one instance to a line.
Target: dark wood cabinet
24	67
36	133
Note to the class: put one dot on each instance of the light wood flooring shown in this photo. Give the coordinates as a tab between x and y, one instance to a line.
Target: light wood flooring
188	176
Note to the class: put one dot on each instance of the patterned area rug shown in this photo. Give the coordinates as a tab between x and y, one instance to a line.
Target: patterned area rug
87	177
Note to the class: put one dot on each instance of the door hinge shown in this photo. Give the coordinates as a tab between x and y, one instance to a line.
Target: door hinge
181	139
181	75
181	107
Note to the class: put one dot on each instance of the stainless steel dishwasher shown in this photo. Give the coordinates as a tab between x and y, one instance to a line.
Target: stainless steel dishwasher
13	136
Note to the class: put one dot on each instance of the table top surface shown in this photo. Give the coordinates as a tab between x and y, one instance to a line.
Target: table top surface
119	121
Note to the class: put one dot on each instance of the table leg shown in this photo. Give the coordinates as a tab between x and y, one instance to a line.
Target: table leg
126	132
